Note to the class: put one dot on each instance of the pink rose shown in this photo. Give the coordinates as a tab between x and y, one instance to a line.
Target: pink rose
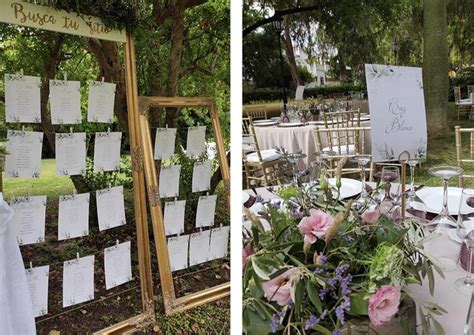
383	304
246	252
315	226
278	289
371	217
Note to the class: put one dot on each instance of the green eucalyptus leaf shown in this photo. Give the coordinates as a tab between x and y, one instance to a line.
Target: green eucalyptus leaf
311	288
359	305
258	270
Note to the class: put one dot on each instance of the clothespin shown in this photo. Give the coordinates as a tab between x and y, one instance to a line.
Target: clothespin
108	130
178	233
103	79
23	129
166	126
71	130
77	256
65	76
200	229
117	243
21	72
207	194
31	266
74	191
221	225
109	186
175	199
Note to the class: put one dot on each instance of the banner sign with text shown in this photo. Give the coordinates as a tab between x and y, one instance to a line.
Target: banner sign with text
397	111
44	17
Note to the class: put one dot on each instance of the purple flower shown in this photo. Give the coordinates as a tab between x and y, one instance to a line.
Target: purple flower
322	293
311	322
322	259
259	198
341	269
275	322
318	271
337	332
340	314
331	281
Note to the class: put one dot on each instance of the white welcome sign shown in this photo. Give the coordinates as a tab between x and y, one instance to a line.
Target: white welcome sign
397	111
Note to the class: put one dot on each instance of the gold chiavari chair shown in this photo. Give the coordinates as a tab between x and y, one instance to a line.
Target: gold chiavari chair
256	112
260	166
461	106
340	142
342	119
470	90
459	152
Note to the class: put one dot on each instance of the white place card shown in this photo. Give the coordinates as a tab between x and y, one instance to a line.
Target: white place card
174	217
397	111
107	151
65	100
202	176
24	158
101	102
196	141
164	143
78	281
169	181
38	280
110	208
70	154
219	242
73	218
199	247
118	265
178	252
29	217
22	99
205	211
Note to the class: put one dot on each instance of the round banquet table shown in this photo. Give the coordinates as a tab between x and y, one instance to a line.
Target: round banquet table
445	295
294	139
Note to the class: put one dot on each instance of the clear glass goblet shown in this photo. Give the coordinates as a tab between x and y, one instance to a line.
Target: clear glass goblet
364	200
415	206
466	234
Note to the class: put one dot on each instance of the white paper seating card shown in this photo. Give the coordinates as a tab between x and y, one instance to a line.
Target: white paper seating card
110	208
118	265
24	158
202	176
78	281
38	279
164	143
199	247
22	99
107	151
174	217
205	211
70	154
29	216
219	242
397	111
73	218
178	252
169	181
101	102
196	141
65	100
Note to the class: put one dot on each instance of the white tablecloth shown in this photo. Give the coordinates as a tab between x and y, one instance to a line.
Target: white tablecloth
445	295
296	139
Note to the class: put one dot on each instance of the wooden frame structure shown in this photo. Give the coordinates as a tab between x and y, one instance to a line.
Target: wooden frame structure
19	13
171	303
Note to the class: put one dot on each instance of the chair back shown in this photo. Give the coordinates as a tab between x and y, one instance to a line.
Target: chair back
457	93
460	153
256	112
343	119
249	139
348	141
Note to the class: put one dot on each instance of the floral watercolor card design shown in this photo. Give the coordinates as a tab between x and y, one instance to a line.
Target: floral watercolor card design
199	247
206	210
196	141
107	151
29	217
169	181
65	101
73	218
78	281
174	217
24	158
110	208
22	99
164	143
178	252
219	246
70	154
397	111
118	265
101	102
38	279
202	176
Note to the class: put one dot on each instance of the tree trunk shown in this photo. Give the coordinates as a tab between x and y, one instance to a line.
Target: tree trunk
111	69
290	54
435	65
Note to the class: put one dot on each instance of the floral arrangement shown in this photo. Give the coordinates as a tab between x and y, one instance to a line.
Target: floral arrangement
321	267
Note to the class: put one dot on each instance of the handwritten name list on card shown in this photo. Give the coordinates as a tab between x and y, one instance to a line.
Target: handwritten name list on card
206	211
38	279
29	218
196	141
78	281
397	110
107	151
110	208
22	99
73	218
118	265
174	217
219	247
164	143
169	181
202	176
70	154
101	102
24	158
178	252
199	247
65	100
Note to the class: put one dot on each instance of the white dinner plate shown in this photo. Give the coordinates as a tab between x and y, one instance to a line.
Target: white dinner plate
433	198
289	125
275	118
364	118
453	234
349	187
265	123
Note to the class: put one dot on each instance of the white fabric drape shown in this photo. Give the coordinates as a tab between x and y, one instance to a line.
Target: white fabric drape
16	310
